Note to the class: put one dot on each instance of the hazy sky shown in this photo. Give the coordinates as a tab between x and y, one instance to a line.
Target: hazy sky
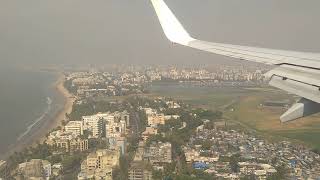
127	31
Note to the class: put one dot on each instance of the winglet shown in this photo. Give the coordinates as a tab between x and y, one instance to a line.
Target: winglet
172	28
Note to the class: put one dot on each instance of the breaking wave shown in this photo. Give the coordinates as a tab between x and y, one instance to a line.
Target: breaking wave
39	119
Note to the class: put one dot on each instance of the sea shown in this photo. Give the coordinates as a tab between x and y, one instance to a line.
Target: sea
28	101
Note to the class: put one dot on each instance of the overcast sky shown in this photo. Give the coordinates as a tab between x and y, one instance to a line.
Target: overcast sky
127	31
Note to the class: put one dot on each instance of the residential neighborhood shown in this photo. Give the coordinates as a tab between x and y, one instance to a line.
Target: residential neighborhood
138	137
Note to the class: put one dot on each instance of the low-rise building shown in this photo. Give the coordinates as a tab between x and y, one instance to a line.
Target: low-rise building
57	169
78	144
139	152
35	169
170	117
259	170
138	171
159	153
67	141
59	134
118	143
4	171
172	105
115	128
149	111
62	144
220	125
150	131
155	119
260	174
193	155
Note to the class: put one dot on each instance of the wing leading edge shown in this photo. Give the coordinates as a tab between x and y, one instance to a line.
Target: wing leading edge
297	72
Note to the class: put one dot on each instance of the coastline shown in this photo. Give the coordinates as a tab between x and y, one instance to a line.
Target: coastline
66	109
53	120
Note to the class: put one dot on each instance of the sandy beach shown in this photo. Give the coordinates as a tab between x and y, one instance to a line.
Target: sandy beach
38	134
67	108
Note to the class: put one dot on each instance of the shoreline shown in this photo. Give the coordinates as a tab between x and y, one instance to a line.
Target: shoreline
54	120
67	106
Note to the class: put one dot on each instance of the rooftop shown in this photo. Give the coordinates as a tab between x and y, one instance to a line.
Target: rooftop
2	162
74	123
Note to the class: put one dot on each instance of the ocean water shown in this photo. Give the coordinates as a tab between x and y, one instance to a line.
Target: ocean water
28	100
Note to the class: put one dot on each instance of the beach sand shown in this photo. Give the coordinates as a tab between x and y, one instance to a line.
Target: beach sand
61	115
39	134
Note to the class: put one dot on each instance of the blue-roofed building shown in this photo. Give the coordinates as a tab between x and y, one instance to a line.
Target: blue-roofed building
200	165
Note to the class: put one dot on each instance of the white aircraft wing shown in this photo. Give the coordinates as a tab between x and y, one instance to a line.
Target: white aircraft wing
297	72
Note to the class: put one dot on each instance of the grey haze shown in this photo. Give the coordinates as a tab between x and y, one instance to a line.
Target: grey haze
71	32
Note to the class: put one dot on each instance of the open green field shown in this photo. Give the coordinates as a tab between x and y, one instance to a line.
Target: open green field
200	96
244	107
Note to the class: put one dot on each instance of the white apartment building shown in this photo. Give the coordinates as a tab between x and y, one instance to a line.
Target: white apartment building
109	118
106	116
172	105
155	119
99	164
117	116
115	129
76	127
149	111
94	124
169	117
125	117
159	153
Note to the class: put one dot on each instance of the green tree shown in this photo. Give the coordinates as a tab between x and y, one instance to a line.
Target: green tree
281	173
157	175
207	144
234	163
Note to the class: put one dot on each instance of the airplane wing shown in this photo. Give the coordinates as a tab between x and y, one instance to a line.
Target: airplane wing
296	72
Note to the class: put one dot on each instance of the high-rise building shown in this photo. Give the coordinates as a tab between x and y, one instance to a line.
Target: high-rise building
94	124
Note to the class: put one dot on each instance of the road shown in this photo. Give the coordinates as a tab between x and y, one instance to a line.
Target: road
134	123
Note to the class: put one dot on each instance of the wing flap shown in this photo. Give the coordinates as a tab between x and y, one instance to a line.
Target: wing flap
299	88
300	74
